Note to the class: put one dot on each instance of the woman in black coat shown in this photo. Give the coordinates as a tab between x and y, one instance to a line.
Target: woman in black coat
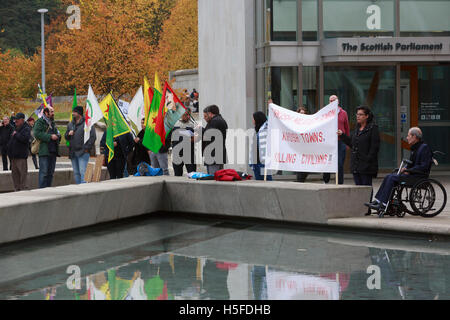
364	142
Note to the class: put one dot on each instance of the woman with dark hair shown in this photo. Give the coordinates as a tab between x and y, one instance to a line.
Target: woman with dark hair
261	124
364	142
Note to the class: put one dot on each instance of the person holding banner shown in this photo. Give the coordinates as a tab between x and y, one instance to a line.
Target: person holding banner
364	142
342	148
301	176
261	125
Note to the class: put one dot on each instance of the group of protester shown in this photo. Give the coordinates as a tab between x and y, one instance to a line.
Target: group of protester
363	142
364	145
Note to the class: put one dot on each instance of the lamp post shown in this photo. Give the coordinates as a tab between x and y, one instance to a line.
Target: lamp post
42	12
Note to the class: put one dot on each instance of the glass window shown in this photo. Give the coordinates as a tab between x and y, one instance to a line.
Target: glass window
349	18
310	84
371	86
283	19
283	86
309	20
434	108
424	18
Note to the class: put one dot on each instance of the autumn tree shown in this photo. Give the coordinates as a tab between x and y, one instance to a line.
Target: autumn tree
112	50
178	48
19	76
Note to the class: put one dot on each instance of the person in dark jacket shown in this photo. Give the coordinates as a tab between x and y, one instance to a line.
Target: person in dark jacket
184	131
421	162
123	145
79	151
216	125
365	145
6	130
31	123
18	148
140	153
46	131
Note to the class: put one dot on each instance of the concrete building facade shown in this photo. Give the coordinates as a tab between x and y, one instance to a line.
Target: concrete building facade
391	55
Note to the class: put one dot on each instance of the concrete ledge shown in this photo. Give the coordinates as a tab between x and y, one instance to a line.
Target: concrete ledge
62	177
39	212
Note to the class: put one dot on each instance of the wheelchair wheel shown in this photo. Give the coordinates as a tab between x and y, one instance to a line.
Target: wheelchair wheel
404	193
428	198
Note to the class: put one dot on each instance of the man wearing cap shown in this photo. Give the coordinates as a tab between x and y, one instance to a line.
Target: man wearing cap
78	150
47	133
18	148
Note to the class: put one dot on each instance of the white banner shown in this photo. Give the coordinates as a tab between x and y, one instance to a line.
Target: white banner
291	286
303	143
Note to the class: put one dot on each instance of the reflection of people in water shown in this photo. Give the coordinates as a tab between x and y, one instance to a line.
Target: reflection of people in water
404	275
174	111
259	282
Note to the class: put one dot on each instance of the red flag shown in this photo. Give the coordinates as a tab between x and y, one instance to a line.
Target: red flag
169	99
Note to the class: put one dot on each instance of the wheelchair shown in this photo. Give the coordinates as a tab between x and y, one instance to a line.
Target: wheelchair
416	195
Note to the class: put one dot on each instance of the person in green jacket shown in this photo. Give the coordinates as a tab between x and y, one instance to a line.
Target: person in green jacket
47	133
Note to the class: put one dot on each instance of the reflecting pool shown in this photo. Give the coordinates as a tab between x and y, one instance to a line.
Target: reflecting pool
171	257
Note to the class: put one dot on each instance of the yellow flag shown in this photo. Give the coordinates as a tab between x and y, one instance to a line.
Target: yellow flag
157	83
147	98
104	105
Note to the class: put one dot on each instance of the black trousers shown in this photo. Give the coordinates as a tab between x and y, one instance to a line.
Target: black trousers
116	167
4	152
178	169
301	177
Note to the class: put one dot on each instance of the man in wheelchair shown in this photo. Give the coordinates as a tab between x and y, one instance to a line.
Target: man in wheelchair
419	166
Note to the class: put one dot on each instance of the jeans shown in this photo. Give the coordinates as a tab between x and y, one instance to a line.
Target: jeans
47	166
258	169
160	160
386	187
342	149
79	165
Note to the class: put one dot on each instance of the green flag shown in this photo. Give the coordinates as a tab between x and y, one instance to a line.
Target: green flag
116	125
152	140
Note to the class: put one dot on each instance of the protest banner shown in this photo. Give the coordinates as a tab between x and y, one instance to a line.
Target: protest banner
303	143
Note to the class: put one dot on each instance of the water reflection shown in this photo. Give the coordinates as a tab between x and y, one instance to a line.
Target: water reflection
169	276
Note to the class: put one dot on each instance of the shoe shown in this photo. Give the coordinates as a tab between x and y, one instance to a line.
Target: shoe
374	206
371	204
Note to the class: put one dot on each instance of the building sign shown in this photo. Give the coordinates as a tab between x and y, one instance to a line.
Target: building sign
387	47
432	111
377	49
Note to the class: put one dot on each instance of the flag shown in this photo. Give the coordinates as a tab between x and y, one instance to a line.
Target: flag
43	96
74	105
93	113
148	97
172	109
104	105
152	140
136	110
40	110
157	85
116	126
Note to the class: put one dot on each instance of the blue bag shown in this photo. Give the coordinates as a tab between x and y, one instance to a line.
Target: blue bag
145	170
